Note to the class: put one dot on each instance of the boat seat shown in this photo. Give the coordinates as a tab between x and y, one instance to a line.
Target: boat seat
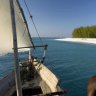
29	91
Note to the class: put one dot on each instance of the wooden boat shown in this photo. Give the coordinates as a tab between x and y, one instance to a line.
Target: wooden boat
31	77
40	82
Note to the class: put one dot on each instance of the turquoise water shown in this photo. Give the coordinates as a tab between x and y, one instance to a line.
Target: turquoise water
73	64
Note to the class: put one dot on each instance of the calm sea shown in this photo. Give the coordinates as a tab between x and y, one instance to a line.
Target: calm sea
73	64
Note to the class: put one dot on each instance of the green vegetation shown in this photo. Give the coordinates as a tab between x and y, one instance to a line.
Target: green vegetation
84	32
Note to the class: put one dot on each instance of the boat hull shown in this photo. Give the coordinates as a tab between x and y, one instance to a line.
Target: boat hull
44	81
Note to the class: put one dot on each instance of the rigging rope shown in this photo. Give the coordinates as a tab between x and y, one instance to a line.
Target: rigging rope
31	17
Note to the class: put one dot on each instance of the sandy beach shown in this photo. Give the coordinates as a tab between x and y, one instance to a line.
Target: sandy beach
79	40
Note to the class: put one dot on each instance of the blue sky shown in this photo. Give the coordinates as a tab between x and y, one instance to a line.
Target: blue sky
58	18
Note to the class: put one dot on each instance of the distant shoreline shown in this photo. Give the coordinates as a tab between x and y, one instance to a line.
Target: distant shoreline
79	40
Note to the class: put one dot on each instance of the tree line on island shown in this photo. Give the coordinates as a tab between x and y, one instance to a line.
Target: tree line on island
84	32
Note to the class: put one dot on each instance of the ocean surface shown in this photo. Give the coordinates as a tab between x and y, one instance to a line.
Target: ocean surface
73	63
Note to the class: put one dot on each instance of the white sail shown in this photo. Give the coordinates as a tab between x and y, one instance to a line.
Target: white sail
6	37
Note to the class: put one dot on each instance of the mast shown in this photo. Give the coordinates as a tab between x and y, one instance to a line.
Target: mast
17	68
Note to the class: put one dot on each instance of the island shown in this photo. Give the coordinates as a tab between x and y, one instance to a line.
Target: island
82	35
84	32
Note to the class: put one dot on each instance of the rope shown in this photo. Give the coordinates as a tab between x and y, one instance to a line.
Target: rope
31	17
